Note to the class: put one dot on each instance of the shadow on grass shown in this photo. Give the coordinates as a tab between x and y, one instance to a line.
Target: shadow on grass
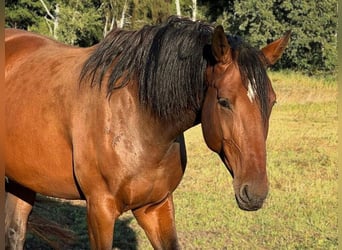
60	225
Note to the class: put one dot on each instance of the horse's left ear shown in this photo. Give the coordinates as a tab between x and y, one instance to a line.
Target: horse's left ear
220	47
274	50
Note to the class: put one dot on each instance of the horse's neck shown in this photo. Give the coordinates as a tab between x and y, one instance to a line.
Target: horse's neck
167	131
122	116
150	125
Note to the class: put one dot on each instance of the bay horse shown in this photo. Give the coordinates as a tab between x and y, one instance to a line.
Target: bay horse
106	123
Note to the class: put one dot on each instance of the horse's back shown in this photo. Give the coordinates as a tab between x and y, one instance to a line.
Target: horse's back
21	39
20	43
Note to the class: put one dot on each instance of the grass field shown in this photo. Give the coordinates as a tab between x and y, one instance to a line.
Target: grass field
301	209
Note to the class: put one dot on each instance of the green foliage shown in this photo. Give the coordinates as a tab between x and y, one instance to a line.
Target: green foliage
76	22
149	12
84	22
313	24
253	20
80	23
21	14
314	39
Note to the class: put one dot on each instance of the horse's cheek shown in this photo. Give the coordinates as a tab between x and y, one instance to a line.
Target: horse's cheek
211	128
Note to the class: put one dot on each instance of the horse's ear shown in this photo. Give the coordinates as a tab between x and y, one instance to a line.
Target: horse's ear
220	47
274	50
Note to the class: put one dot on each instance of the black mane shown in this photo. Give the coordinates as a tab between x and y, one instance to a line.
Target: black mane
169	62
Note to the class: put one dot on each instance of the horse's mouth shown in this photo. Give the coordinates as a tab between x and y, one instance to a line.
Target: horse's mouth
247	206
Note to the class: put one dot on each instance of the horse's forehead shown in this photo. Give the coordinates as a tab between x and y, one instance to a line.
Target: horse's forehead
232	83
229	80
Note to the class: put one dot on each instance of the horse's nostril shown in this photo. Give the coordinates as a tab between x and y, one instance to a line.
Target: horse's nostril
244	193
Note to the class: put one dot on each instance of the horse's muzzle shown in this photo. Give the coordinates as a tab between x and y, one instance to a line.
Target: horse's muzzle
249	200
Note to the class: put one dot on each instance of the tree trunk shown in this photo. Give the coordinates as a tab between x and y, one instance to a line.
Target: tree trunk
56	22
178	8
194	10
122	20
110	17
53	19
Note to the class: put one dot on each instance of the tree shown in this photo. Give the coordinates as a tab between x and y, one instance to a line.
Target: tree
22	14
313	24
51	19
79	23
85	22
194	10
115	13
149	12
314	39
254	21
215	10
178	9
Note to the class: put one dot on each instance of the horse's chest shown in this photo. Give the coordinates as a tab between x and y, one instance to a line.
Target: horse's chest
154	182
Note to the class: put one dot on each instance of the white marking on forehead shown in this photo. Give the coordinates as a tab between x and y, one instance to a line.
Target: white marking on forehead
250	91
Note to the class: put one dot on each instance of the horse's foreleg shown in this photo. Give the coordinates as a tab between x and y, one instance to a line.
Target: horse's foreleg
19	202
159	224
102	214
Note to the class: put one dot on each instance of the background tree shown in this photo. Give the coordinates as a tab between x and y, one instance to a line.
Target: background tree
85	22
314	39
22	14
178	9
149	12
254	21
52	21
215	10
116	14
313	24
80	22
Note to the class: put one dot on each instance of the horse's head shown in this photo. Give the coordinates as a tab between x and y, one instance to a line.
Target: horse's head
236	111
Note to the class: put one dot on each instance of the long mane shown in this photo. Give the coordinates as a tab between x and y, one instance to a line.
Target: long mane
167	61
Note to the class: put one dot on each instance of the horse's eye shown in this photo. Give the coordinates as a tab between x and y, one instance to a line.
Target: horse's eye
224	102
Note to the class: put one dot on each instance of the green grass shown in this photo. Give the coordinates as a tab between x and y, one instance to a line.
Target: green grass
301	209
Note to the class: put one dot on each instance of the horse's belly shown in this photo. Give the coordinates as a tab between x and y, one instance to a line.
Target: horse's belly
38	153
46	169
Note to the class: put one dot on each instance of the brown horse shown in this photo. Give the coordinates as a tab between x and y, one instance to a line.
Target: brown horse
106	123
